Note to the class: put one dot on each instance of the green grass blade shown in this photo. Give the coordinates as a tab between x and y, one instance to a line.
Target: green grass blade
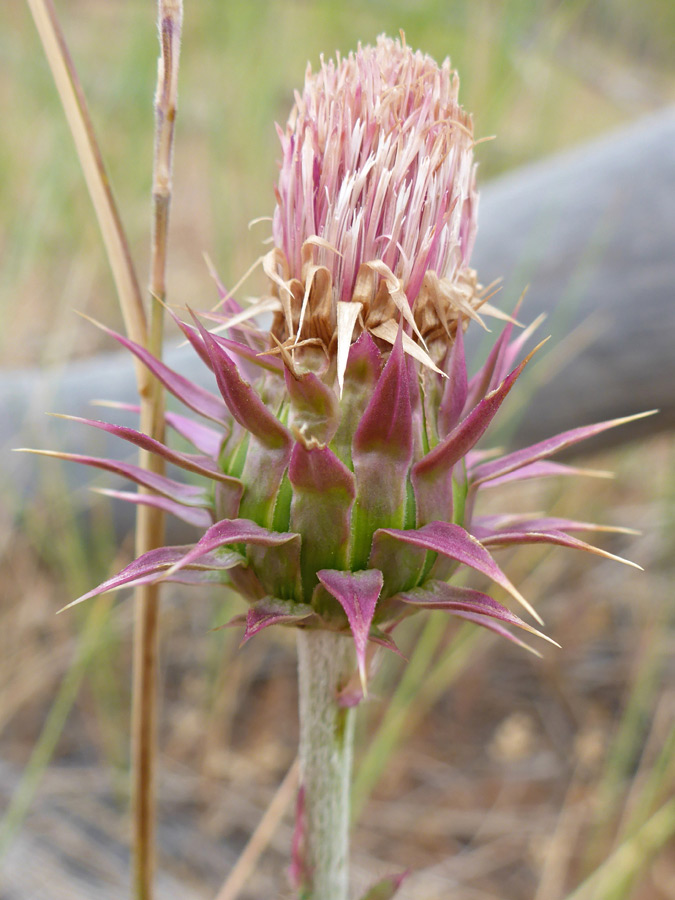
630	858
45	746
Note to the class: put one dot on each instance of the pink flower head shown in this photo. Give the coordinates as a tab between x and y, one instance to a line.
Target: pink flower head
340	456
378	165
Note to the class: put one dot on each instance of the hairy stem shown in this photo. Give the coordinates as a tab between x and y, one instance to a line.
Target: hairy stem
325	662
150	521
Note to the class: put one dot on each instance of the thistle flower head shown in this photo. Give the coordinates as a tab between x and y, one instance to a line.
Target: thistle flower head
376	199
378	163
338	459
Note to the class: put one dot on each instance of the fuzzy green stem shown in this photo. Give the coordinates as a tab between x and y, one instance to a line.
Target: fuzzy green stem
325	662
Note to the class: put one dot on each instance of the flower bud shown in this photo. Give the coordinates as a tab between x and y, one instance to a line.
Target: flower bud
340	454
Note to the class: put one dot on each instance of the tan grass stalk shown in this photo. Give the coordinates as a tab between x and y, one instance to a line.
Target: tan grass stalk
150	521
149	530
248	859
75	108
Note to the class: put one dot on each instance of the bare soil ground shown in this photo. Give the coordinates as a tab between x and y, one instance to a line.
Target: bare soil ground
512	783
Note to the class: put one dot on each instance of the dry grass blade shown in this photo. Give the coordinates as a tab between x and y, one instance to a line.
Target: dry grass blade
149	532
77	114
260	837
41	754
630	857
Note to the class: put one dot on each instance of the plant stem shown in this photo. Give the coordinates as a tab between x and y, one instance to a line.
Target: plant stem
325	662
150	521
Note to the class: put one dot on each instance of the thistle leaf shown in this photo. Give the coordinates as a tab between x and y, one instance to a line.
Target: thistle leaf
382	452
232	531
268	454
193	338
206	439
272	611
364	365
382	639
190	394
190	514
454	599
399	564
511	538
492	372
323	496
357	593
541	469
200	465
512	461
315	407
278	567
251	362
487	526
151	565
432	475
456	543
515	347
187	494
496	627
456	386
386	888
228	304
242	400
253	357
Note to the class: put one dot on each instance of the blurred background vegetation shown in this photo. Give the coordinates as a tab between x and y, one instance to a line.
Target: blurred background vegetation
538	74
521	780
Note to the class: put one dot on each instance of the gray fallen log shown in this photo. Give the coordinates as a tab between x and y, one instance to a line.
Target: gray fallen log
592	231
